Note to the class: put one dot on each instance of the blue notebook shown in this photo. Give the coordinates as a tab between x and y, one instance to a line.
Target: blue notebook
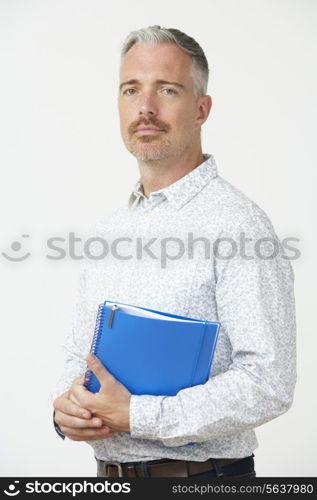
152	352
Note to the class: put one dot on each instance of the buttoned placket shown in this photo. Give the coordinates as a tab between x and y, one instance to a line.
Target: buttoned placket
142	223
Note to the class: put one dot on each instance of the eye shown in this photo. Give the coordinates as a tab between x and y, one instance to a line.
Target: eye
169	91
128	91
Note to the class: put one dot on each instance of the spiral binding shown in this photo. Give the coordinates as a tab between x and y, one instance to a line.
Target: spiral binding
95	341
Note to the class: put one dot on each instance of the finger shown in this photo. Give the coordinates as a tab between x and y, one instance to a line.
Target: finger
84	398
76	423
79	380
102	374
65	405
73	398
87	434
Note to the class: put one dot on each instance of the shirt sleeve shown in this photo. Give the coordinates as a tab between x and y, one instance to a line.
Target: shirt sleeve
255	302
57	428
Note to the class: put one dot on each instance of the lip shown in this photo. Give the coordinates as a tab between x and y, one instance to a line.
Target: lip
148	130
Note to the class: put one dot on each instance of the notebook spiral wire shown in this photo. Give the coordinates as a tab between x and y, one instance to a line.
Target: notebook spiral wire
94	343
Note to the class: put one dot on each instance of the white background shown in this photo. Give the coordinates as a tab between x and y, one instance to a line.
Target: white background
63	166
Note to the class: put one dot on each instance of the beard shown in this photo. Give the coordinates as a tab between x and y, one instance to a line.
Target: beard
158	147
149	147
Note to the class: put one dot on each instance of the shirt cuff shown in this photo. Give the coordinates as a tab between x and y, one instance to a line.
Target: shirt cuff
144	417
57	428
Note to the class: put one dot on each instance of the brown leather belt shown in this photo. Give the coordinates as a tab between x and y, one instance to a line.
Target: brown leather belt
158	468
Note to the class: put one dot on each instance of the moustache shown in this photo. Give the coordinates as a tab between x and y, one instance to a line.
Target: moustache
156	123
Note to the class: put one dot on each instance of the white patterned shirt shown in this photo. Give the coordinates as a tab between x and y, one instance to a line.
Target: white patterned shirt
198	248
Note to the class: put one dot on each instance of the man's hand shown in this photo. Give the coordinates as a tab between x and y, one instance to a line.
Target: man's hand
76	422
111	404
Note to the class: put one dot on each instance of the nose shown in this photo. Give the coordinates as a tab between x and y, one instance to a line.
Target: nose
147	104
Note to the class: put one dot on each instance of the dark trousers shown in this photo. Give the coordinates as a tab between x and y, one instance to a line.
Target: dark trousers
241	468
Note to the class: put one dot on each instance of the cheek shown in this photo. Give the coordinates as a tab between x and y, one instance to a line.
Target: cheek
182	122
125	121
182	114
124	113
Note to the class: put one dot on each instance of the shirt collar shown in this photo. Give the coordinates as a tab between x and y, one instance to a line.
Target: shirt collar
180	192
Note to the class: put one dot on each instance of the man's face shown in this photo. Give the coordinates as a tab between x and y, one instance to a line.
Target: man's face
157	91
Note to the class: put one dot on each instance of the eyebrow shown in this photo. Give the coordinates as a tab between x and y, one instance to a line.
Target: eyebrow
161	82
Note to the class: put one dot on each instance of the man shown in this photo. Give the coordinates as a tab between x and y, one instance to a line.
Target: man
234	272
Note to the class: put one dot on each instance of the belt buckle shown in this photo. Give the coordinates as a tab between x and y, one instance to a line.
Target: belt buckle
114	464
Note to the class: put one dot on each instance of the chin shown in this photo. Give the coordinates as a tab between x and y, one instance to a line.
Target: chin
149	151
149	156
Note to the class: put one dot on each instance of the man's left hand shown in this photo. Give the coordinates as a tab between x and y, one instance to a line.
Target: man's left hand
111	403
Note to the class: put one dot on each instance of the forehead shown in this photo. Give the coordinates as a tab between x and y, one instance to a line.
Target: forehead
165	61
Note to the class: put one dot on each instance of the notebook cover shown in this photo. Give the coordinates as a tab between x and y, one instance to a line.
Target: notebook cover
153	356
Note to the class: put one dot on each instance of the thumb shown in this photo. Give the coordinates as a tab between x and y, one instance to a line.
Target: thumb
99	370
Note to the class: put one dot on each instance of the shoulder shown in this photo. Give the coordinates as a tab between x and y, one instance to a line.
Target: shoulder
229	208
241	222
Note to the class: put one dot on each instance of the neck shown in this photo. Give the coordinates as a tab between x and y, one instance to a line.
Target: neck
158	174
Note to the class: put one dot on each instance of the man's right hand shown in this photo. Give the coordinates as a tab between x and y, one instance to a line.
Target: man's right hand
77	423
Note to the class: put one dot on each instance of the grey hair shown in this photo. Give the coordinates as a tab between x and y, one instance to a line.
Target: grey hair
156	34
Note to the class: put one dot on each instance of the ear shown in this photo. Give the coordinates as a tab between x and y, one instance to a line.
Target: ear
204	103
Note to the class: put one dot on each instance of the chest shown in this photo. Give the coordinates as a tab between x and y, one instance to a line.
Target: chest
158	261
